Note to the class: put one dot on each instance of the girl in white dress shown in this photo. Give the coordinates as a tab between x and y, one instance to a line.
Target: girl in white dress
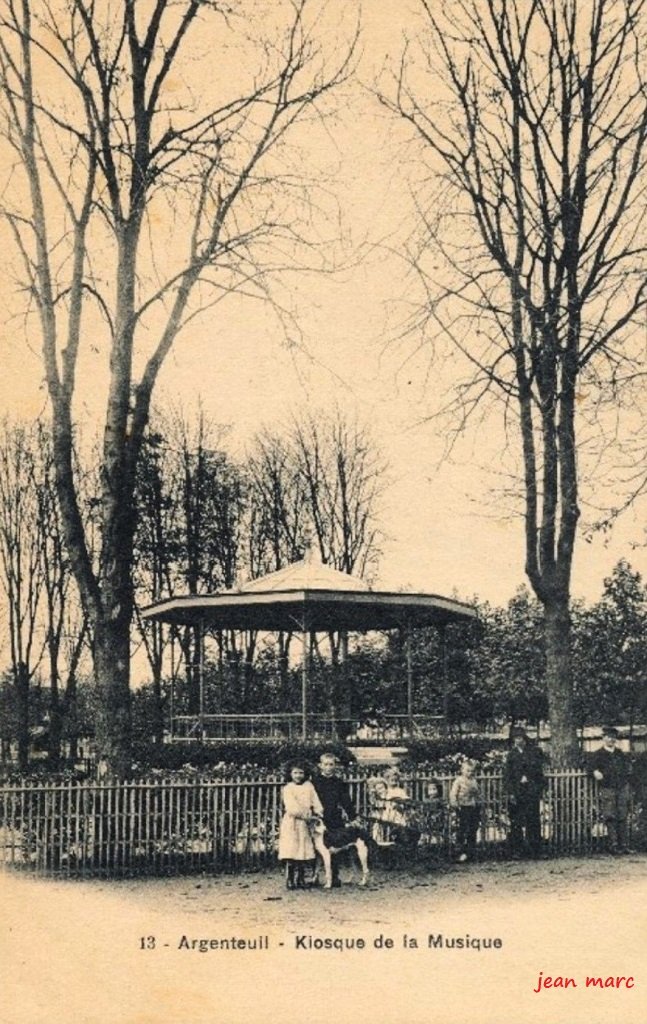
301	804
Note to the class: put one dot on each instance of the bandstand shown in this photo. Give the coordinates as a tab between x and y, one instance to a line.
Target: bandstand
308	597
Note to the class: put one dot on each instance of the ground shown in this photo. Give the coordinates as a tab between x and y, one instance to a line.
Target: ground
73	950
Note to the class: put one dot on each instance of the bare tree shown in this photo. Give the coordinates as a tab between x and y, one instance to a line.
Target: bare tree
46	627
275	520
21	567
342	472
276	506
64	621
534	119
190	499
317	483
104	110
155	550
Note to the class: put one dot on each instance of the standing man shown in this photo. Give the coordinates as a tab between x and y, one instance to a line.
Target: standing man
523	780
339	814
611	769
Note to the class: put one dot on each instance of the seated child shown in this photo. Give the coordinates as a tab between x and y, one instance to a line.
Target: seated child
434	814
376	787
397	812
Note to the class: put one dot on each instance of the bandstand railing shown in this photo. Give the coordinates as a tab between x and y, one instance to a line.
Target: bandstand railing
388	728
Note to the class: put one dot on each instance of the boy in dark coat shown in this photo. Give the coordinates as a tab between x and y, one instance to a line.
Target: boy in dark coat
523	780
338	809
611	768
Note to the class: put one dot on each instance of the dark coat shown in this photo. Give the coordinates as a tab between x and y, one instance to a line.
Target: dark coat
614	765
528	763
335	800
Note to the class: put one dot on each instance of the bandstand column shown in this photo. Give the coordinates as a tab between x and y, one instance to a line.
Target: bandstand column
305	672
201	675
407	648
444	654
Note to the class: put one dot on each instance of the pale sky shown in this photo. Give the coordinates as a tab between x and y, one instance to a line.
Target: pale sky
445	530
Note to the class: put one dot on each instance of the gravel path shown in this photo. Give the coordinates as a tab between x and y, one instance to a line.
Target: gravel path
72	950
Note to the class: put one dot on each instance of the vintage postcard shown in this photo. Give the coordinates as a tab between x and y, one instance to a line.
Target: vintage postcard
322	549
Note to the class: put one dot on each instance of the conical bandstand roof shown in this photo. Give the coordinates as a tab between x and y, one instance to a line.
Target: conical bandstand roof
309	573
308	595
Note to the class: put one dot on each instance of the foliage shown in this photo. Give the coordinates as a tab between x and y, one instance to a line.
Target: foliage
447	753
639	774
234	756
43	771
495	665
8	709
610	650
511	660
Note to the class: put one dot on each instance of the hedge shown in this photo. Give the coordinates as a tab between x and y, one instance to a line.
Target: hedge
449	749
234	753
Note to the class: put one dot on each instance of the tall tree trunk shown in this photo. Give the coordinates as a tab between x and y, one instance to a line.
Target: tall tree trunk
191	650
72	716
22	701
55	711
55	732
248	668
70	709
559	674
112	675
157	725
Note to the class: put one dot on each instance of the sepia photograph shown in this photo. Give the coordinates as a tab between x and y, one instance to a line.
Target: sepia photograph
323	480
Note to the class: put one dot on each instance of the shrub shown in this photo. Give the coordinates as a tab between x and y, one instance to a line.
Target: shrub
447	753
11	775
233	756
